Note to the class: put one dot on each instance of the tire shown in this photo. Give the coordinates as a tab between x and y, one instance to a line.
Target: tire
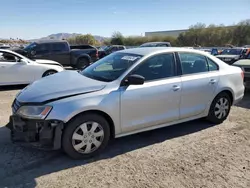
82	63
85	145
217	115
49	72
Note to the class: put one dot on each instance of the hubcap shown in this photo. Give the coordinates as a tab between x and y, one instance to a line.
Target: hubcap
50	73
87	137
221	108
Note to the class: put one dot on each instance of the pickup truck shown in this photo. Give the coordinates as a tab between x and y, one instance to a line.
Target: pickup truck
60	51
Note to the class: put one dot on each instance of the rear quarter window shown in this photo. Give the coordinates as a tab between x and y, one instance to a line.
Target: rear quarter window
212	66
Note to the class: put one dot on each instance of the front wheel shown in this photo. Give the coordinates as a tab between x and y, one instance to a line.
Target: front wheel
86	136
82	63
48	73
220	108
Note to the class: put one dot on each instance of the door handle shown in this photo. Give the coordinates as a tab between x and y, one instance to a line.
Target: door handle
2	66
212	81
176	88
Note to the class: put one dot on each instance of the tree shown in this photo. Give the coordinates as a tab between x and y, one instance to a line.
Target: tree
117	38
83	39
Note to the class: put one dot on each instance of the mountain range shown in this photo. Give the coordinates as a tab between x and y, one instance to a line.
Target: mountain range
60	36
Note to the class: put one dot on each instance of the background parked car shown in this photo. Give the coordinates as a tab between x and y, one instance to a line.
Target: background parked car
17	69
110	49
231	55
4	46
60	51
156	44
244	64
212	51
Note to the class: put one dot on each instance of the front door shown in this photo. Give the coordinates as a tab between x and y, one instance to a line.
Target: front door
199	81
12	71
157	100
42	51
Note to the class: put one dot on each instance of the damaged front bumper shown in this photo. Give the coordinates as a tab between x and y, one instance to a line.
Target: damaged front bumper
42	134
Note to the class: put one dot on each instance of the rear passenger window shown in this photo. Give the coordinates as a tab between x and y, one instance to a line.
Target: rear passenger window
212	66
192	63
59	47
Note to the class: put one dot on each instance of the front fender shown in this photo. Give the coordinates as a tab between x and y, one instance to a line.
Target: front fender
66	109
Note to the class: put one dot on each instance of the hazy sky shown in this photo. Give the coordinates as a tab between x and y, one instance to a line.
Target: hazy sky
30	19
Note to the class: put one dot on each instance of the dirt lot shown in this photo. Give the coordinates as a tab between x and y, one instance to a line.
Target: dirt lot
194	154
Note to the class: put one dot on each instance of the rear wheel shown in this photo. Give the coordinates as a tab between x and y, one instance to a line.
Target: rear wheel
49	72
220	108
85	136
82	63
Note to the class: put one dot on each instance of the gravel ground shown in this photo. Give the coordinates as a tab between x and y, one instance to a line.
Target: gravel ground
193	154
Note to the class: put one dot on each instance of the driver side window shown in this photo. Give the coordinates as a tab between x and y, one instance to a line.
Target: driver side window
7	57
157	67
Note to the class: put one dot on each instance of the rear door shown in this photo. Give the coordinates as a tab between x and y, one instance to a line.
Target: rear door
199	80
60	53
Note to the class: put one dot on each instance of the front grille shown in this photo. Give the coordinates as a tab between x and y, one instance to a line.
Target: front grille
15	106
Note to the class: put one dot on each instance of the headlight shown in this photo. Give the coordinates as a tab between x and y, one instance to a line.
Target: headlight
35	112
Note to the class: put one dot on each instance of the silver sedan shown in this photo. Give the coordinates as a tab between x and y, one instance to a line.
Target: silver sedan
126	92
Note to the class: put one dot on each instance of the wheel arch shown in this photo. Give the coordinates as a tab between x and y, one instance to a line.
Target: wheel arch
86	56
229	92
101	113
48	71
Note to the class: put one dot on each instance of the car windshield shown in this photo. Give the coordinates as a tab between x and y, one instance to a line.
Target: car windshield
231	52
30	46
110	67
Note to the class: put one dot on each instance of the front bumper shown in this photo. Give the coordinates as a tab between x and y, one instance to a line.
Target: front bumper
42	134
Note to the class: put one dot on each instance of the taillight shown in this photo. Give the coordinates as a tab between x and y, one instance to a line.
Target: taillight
242	74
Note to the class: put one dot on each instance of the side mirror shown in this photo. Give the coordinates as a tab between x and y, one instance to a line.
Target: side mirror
134	79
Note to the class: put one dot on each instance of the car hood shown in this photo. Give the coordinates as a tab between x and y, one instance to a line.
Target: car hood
47	62
58	86
228	56
243	62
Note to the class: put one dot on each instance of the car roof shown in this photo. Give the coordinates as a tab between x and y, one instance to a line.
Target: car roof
4	50
12	52
235	48
156	43
155	50
50	41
